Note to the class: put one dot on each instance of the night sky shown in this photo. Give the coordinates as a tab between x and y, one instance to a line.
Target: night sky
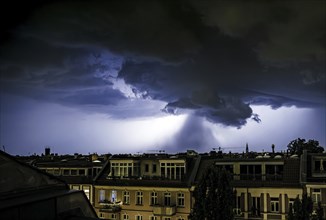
138	76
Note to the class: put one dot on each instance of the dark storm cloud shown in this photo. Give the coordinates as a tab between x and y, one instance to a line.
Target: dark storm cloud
281	30
152	29
230	111
71	76
214	58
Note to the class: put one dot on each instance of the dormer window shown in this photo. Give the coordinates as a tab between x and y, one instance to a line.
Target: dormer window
320	165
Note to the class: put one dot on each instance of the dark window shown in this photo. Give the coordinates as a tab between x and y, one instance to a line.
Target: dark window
146	168
154	168
82	172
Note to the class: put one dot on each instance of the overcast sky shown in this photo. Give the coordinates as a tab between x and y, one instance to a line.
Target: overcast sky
138	76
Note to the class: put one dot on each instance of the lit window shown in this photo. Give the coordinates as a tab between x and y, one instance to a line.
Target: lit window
316	195
113	195
102	195
274	205
153	198
75	187
86	190
181	199
139	198
126	197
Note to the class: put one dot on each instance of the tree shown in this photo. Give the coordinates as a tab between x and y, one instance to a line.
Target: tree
213	196
320	211
302	208
298	145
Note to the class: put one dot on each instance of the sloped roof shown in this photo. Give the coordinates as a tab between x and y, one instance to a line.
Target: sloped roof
17	177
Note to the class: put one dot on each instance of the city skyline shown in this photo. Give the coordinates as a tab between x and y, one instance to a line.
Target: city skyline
122	76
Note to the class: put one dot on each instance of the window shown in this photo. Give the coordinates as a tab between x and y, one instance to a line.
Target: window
56	172
316	195
154	168
167	199
75	187
274	205
113	216
139	198
138	217
146	168
181	199
274	172
320	165
250	172
82	172
152	217
238	202
173	171
153	198
125	217
255	208
86	190
124	169
166	218
102	195
66	172
180	218
126	197
102	215
114	195
73	172
291	202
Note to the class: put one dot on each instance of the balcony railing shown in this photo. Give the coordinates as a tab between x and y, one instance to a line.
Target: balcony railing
108	206
258	177
164	210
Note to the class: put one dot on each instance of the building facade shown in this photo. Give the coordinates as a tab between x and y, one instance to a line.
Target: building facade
266	186
147	187
160	186
77	171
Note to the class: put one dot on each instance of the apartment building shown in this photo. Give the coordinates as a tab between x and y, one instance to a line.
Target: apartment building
160	186
78	171
146	187
265	185
314	178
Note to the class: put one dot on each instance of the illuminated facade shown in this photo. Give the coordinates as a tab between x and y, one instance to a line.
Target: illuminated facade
161	186
147	187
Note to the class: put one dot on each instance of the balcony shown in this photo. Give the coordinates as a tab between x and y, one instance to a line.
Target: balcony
164	210
110	207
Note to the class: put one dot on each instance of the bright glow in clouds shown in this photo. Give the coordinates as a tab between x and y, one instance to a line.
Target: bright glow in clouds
67	130
277	127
